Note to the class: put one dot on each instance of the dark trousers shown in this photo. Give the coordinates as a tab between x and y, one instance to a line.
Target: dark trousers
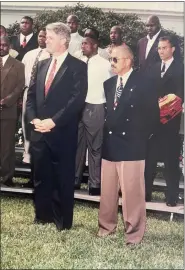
167	148
7	148
90	136
53	176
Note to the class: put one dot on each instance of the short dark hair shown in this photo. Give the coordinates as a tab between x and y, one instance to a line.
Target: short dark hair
28	18
4	28
42	29
95	31
170	39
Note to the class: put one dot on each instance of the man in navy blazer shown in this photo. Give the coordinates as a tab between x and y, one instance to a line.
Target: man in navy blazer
132	113
54	103
147	54
26	40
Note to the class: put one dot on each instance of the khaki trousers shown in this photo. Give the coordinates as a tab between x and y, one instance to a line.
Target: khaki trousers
129	176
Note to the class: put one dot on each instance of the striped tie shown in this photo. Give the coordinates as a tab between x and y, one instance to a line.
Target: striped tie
118	93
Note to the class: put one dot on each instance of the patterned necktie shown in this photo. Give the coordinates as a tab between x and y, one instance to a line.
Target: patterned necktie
50	77
34	68
163	70
118	93
24	42
1	63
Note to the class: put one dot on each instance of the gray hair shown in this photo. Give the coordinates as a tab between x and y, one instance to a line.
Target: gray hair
60	29
6	39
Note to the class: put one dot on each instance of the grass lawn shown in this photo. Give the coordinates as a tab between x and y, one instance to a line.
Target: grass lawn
25	245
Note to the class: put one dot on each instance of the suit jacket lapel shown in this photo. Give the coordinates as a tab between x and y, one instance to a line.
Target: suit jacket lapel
6	68
42	79
143	52
111	93
169	72
127	92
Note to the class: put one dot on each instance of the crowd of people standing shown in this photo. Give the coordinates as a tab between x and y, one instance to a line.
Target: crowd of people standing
80	99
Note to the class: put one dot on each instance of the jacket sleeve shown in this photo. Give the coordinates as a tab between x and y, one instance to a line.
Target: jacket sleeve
31	105
12	98
78	95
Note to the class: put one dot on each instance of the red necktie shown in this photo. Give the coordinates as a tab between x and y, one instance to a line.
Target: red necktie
50	77
24	42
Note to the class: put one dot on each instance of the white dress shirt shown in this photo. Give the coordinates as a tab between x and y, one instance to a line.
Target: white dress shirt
98	72
4	59
75	43
27	37
150	43
167	65
29	60
60	59
124	78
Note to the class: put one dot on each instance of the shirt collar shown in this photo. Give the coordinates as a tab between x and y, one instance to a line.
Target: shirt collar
74	35
27	37
4	59
93	58
61	57
154	37
126	75
168	62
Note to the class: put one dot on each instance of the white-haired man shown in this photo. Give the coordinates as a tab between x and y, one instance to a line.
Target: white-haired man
132	112
54	103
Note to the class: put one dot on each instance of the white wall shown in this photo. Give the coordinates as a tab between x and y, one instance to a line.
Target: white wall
171	14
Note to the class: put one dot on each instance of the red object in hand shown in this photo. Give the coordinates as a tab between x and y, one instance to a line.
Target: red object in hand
170	106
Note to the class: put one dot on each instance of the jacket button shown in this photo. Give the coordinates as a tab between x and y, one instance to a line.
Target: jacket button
131	90
105	120
132	106
110	132
123	133
127	119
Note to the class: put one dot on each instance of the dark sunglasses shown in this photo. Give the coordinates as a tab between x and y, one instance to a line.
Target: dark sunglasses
115	60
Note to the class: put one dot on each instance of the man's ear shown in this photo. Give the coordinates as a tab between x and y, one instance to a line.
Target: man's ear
173	49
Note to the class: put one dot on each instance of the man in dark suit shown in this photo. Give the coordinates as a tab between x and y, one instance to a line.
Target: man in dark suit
12	84
26	40
132	112
147	47
54	103
168	78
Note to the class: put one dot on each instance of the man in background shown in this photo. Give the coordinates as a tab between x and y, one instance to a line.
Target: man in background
12	84
30	62
147	53
90	131
3	32
26	40
115	39
168	78
76	39
91	33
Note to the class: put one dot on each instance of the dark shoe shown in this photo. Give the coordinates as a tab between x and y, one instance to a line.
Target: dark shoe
94	191
171	203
